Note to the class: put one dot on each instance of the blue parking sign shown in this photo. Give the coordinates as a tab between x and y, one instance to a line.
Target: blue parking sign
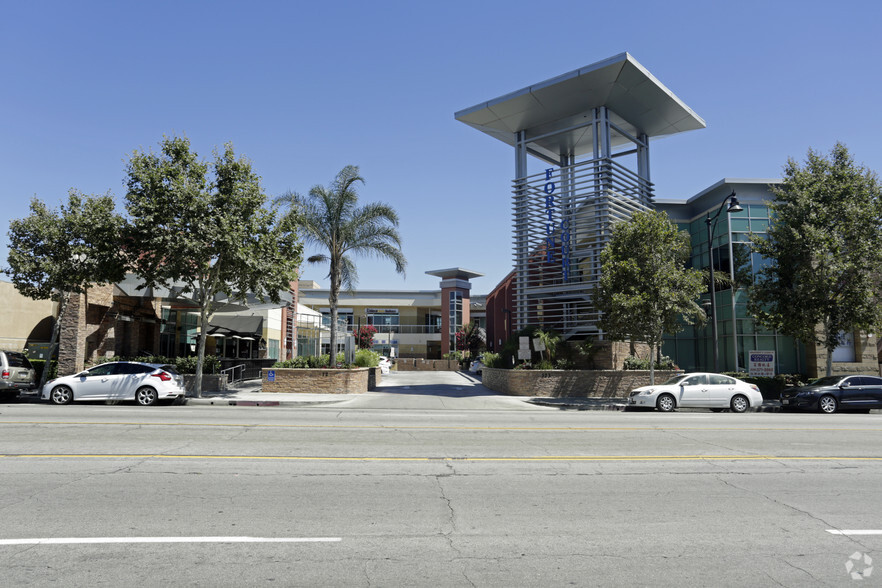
271	375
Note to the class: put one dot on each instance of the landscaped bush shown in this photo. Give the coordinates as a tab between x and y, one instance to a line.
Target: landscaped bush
40	364
183	365
771	387
367	358
633	362
313	362
492	360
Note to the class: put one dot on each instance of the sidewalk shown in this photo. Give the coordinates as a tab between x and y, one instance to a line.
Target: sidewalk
250	394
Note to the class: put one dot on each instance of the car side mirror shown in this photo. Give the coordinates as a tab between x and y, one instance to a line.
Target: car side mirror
82	374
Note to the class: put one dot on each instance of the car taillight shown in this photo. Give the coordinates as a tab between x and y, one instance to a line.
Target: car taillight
5	374
162	376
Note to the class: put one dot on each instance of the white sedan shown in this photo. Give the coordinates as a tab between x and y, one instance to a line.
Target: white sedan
145	383
385	365
698	390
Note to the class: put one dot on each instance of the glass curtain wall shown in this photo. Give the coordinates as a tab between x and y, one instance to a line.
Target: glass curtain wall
739	334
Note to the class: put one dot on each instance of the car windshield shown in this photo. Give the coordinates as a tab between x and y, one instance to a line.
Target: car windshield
674	380
826	381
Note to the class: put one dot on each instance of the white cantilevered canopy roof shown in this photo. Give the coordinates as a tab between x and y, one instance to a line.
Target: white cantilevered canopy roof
639	104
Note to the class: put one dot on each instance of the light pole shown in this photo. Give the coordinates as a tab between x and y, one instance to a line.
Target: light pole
711	225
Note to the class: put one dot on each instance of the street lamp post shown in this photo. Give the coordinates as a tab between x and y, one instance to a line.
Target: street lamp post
733	206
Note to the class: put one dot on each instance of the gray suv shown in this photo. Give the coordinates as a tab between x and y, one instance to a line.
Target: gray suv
16	373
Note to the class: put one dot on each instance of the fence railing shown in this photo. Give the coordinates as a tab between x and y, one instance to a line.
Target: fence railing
235	373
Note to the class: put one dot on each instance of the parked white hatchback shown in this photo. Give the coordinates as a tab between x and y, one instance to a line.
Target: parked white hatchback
698	390
145	383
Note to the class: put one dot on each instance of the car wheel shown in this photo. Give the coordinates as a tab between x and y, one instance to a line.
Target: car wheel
739	403
61	395
827	404
146	396
666	403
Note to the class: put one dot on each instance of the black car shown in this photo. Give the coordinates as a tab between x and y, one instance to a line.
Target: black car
850	392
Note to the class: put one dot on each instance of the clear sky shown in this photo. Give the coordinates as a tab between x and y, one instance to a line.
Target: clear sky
305	88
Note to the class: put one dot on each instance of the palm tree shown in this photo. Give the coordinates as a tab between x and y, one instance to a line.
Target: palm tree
331	219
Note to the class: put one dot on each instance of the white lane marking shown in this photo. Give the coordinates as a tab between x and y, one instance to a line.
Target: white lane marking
95	540
855	531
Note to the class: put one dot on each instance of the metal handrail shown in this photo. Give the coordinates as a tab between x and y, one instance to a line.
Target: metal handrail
230	372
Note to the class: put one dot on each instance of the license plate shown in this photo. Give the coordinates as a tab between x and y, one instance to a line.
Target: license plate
785	402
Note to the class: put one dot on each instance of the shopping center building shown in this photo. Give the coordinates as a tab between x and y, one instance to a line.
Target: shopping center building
581	146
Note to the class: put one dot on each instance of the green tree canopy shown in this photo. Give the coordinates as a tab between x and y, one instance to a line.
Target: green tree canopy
822	252
205	228
56	253
645	289
331	219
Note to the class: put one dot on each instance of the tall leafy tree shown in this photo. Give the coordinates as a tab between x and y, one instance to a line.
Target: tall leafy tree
204	227
822	252
645	289
57	253
331	219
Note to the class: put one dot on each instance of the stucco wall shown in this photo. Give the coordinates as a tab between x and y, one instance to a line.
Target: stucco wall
20	316
569	383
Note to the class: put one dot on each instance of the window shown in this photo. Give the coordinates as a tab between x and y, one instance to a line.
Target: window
718	380
700	380
105	369
132	368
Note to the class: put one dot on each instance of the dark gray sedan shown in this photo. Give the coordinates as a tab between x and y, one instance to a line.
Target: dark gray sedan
832	393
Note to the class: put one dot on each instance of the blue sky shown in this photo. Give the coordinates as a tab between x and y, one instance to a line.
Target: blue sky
305	88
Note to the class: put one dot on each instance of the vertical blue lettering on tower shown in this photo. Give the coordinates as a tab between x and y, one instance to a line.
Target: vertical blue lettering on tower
550	228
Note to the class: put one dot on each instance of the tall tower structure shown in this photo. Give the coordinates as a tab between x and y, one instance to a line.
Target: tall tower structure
455	299
589	132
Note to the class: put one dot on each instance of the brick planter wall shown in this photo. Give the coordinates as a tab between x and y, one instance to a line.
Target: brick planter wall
569	383
426	365
317	381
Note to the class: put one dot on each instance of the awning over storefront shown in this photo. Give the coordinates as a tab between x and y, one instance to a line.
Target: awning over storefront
241	327
175	295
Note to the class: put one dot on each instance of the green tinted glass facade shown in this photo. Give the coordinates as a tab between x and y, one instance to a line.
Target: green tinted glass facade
738	333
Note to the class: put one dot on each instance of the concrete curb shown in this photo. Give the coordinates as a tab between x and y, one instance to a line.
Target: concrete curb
621	404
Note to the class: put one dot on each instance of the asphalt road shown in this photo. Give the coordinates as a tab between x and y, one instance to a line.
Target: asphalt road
473	491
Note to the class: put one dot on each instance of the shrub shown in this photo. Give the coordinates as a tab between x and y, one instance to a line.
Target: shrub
312	362
632	362
367	358
771	387
493	360
39	366
183	365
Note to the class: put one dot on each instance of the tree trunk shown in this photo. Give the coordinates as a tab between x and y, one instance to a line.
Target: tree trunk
652	348
829	366
204	317
333	295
